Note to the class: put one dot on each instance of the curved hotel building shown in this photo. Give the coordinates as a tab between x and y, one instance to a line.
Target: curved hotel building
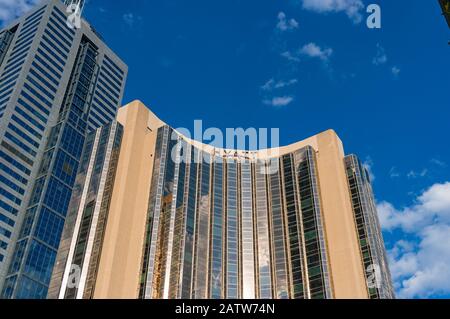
102	202
157	215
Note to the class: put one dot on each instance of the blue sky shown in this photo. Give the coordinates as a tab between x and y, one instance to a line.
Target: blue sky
306	66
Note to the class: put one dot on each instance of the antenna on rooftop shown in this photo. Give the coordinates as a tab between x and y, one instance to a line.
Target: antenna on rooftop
79	3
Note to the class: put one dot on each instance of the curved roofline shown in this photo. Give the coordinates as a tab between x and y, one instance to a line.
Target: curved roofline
155	122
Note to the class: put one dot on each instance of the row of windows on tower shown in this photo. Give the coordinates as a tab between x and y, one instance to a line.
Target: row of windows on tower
39	57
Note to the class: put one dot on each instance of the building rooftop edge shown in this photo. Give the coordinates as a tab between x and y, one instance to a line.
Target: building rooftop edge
84	22
312	141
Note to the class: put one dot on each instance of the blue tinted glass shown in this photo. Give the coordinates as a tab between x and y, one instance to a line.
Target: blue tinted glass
57	196
29	289
39	263
72	142
65	168
49	228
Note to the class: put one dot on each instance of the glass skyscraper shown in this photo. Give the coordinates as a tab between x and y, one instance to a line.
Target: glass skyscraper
57	85
175	218
88	211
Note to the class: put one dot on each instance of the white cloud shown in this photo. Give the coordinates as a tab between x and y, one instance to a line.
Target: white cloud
424	272
314	51
282	84
129	18
419	265
310	50
290	56
285	24
395	71
12	9
426	172
273	85
351	7
438	162
432	206
269	85
381	57
279	101
437	200
414	174
391	218
393	173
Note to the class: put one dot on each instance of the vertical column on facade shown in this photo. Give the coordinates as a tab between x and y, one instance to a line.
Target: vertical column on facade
279	255
264	269
99	184
247	232
152	236
201	265
386	290
57	287
170	211
165	219
77	216
151	207
216	281
180	206
294	229
360	213
188	232
368	229
232	232
113	155
326	270
91	209
317	268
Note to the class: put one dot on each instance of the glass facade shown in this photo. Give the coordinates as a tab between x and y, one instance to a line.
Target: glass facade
232	233
87	215
263	260
318	281
50	79
217	231
247	231
294	228
238	229
378	277
220	224
202	243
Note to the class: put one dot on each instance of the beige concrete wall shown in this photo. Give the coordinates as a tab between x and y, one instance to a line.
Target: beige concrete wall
345	259
121	256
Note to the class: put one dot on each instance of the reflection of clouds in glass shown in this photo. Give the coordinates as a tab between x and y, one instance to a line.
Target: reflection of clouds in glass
264	259
204	203
168	186
247	233
217	281
203	237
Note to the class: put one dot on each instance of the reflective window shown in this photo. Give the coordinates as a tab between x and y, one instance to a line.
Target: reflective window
278	238
232	259
202	236
216	280
264	259
248	266
190	225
